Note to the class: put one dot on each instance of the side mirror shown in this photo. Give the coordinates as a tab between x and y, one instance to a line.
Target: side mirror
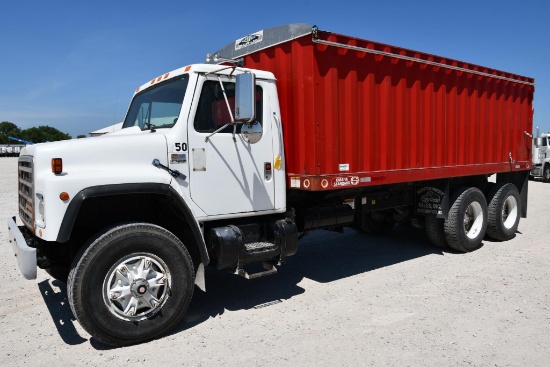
245	104
252	132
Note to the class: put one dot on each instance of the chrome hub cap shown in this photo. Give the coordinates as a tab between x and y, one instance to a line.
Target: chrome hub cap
136	287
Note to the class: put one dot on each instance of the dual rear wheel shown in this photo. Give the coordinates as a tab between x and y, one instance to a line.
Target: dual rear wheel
473	215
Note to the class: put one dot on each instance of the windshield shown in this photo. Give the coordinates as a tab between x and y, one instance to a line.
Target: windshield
540	142
157	107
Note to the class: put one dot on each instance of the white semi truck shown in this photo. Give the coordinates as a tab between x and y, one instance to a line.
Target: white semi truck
541	157
10	150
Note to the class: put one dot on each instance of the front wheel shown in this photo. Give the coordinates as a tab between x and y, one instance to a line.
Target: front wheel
133	283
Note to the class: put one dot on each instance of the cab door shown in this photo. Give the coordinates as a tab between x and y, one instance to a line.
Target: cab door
227	173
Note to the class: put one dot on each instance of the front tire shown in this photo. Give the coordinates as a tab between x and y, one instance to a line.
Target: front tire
132	284
466	223
546	173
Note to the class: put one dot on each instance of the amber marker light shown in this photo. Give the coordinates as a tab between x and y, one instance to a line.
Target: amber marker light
57	165
64	196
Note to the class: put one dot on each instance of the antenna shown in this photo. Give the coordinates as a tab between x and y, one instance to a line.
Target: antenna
116	103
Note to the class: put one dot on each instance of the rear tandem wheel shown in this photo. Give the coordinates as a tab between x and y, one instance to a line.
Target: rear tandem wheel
435	230
503	211
466	223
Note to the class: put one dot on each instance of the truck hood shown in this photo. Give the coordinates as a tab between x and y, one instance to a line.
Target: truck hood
113	153
89	163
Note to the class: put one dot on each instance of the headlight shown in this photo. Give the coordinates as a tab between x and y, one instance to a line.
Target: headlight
40	220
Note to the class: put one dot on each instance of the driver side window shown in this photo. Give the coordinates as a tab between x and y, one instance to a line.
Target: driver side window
212	112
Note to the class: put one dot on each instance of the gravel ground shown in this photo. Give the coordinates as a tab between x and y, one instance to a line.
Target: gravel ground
343	299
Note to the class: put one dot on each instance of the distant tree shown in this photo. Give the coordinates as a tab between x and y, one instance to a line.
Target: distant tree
8	129
80	136
43	134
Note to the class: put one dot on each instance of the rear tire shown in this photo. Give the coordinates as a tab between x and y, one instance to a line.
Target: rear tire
132	284
466	224
503	212
435	230
377	223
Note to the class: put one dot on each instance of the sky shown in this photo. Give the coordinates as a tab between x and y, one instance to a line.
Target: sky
75	65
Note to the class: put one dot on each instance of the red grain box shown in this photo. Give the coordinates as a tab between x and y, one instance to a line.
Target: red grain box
357	108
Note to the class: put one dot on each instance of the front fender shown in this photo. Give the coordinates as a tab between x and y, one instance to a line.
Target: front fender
74	207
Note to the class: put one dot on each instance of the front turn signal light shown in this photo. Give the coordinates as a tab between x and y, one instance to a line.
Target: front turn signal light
57	165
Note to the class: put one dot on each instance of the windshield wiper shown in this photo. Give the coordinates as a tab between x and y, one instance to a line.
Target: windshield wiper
163	126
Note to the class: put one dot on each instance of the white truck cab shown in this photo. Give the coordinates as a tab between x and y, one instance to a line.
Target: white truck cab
541	157
224	162
198	150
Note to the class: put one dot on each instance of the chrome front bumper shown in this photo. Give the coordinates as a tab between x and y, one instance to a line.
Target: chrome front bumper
26	256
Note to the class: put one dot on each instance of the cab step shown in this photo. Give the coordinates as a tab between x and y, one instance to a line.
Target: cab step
270	269
259	247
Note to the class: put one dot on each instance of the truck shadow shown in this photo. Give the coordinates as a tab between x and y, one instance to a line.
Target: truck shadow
60	311
322	257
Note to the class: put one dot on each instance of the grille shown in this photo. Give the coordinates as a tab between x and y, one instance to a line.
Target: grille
26	192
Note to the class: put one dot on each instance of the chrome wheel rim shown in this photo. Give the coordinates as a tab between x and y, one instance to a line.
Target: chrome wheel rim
136	287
